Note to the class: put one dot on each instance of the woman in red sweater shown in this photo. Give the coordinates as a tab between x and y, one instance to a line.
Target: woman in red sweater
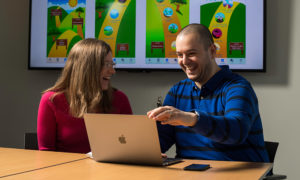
83	87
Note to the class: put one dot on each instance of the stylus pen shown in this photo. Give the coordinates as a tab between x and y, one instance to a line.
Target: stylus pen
159	101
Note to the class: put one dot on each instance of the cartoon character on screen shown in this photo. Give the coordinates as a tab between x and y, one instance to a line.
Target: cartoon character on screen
228	3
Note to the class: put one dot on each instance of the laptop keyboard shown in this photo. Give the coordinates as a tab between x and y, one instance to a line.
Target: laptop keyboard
169	161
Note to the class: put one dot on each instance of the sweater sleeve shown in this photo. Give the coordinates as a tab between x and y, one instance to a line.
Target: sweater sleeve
233	126
46	124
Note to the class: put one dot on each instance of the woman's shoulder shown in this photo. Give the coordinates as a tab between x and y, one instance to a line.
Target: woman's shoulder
54	97
119	93
119	96
121	103
47	95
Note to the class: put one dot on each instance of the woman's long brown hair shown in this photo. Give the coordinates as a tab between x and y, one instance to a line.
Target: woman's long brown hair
80	79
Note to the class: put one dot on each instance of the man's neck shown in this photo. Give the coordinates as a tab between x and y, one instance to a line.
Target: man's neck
213	72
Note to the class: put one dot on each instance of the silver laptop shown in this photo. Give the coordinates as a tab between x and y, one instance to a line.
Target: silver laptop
131	139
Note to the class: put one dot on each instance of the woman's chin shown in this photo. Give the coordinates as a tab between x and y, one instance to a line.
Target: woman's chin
104	85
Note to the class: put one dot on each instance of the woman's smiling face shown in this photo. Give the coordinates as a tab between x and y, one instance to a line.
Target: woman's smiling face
107	71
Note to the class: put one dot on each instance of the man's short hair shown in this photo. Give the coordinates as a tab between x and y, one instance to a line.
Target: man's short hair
202	31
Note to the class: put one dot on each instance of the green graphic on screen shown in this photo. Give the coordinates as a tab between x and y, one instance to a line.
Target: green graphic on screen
65	26
164	20
227	22
115	24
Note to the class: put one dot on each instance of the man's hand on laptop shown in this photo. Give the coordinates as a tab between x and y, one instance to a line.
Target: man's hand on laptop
173	116
163	155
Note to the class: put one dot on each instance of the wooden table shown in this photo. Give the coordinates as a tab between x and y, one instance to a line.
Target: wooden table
16	161
80	168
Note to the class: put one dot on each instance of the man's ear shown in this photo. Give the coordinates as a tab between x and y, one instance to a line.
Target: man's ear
212	49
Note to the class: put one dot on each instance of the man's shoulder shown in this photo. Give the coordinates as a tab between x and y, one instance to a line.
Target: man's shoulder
228	76
236	79
236	82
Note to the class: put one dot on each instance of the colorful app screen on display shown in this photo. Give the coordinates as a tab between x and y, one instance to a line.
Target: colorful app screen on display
142	33
226	20
65	27
164	20
115	24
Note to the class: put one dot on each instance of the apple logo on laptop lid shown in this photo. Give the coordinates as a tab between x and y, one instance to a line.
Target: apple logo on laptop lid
122	139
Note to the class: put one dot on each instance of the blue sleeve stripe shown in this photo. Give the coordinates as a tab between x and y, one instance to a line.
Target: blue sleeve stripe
254	147
245	87
220	113
185	130
227	131
239	97
239	86
212	131
189	97
256	132
241	131
214	96
180	96
223	148
236	109
257	117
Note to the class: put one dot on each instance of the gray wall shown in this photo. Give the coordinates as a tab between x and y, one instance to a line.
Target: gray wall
277	90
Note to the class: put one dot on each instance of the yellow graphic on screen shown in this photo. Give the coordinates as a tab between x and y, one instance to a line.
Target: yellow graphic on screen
73	3
57	19
59	49
112	24
167	21
220	32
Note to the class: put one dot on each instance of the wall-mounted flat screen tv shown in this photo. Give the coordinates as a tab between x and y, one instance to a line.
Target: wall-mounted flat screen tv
142	33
